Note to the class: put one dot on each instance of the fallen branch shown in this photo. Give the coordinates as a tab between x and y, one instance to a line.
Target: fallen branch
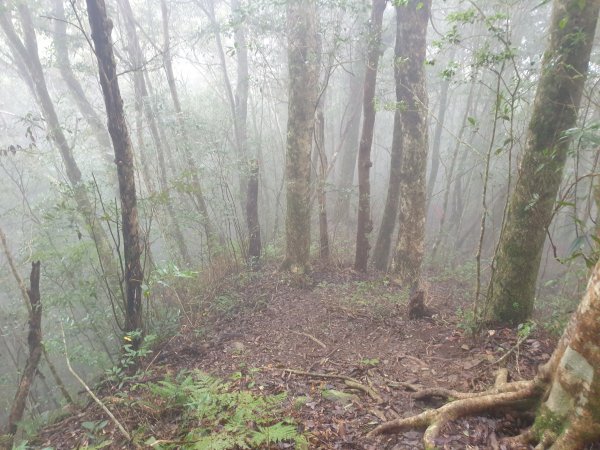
312	338
89	391
348	381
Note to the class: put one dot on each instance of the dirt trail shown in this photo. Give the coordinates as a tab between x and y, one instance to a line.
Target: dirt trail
346	324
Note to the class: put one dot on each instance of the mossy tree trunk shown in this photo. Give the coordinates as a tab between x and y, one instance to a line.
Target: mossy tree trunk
101	27
303	81
364	222
412	20
512	287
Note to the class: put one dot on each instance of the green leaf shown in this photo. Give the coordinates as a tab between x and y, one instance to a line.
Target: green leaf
563	22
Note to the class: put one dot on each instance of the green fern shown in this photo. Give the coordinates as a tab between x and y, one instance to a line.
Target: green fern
223	417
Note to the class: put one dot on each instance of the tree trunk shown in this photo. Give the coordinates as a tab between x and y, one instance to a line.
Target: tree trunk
173	232
364	223
101	27
34	341
381	254
60	41
437	136
249	167
303	81
26	53
322	165
350	143
512	288
197	194
412	20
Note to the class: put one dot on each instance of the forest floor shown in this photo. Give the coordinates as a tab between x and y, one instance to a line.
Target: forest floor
340	323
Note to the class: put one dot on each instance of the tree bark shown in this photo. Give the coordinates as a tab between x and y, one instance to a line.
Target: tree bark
303	82
364	223
381	254
60	41
412	20
512	288
101	27
173	233
34	341
322	165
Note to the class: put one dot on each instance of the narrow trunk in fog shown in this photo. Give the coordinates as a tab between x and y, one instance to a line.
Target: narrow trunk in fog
322	165
197	194
173	231
349	146
512	287
249	168
364	224
303	81
381	254
101	27
412	20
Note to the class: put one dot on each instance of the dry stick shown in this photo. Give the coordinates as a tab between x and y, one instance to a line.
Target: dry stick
89	391
314	339
349	381
512	349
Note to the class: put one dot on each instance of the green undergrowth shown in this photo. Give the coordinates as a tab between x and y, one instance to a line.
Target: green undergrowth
213	414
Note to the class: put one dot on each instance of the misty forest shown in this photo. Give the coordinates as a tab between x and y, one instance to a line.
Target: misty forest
310	224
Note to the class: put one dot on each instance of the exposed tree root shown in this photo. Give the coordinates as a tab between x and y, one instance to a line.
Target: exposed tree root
433	421
348	381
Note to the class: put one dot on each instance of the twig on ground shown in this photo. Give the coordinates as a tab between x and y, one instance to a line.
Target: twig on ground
89	391
348	381
312	338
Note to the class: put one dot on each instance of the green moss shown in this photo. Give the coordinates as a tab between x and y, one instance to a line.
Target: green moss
547	421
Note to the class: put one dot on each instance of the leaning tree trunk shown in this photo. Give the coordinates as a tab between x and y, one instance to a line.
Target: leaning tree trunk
512	288
26	55
101	27
412	20
303	81
364	224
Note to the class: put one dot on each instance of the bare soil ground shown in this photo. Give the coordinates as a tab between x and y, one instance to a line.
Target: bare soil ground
342	323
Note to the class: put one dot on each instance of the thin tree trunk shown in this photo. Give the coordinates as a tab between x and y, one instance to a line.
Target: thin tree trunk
322	182
364	223
412	20
350	142
34	341
381	254
101	29
199	200
141	93
450	172
512	288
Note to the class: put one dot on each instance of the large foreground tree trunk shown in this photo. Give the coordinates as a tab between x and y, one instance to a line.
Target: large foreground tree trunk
412	20
512	287
304	76
565	393
364	223
101	27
